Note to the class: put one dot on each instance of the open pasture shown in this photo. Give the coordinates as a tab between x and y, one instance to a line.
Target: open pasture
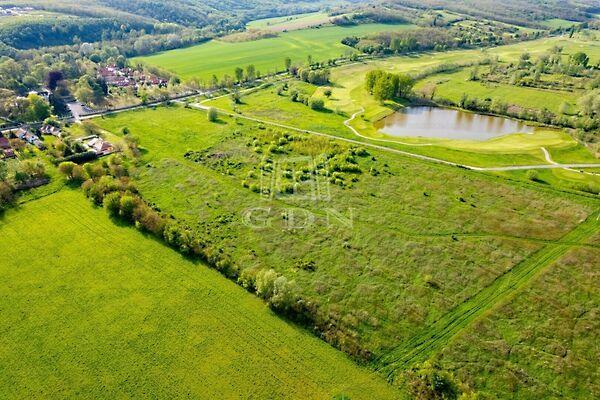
267	55
108	312
453	86
541	343
381	277
290	22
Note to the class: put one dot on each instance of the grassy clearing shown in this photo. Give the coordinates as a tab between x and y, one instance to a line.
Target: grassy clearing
556	23
423	237
453	86
267	55
540	344
290	23
116	314
433	338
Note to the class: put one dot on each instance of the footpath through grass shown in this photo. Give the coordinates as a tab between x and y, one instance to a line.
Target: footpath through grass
423	238
436	336
93	309
541	343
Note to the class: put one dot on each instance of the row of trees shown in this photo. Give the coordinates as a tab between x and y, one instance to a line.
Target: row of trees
121	199
388	86
314	76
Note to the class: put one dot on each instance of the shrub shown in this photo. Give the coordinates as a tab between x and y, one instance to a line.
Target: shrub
265	283
212	114
6	195
127	204
316	104
112	203
533	175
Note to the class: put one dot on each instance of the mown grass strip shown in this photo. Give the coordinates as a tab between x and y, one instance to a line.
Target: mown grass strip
434	337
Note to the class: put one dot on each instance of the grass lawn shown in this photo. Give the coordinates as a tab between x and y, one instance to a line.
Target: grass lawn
542	343
220	58
290	22
423	237
109	313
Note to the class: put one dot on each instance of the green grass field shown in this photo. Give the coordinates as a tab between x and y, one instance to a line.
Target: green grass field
110	313
516	149
374	276
555	23
452	86
540	344
267	55
290	23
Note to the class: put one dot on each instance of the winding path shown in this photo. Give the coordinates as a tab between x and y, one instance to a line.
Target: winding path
203	107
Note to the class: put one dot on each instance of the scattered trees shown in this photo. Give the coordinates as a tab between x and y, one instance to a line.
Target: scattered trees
239	74
316	104
72	171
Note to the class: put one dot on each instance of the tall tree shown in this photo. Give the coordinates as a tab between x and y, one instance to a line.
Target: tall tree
239	74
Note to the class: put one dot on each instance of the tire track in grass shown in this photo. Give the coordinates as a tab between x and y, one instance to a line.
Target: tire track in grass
433	338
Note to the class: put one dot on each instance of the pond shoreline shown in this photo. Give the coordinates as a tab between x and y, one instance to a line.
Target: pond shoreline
433	121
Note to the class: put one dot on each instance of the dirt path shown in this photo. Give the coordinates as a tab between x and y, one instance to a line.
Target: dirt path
357	133
436	336
567	167
203	107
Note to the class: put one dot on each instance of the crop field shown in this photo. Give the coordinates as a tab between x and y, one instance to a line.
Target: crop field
290	23
108	312
267	55
416	213
540	344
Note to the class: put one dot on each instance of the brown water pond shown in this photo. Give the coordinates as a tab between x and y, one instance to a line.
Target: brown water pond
446	123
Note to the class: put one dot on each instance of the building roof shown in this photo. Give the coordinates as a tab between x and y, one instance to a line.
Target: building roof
4	143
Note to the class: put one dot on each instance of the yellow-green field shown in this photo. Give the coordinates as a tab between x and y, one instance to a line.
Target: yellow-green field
290	23
97	310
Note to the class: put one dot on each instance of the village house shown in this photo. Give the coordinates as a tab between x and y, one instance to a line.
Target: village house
31	138
50	130
125	77
6	150
100	146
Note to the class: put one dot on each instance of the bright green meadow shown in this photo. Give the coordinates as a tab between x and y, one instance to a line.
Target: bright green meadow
107	312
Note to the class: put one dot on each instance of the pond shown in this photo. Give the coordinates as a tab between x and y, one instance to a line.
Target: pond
446	123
